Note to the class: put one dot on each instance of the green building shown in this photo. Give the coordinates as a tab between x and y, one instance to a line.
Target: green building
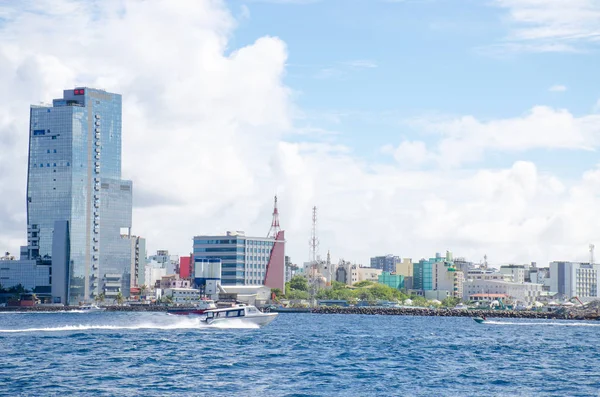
395	281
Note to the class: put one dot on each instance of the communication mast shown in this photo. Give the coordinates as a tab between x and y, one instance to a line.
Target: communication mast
592	254
313	242
275	228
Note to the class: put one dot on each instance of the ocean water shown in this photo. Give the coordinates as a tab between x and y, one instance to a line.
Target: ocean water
155	354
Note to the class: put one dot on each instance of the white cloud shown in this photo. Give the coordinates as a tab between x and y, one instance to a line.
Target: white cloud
547	25
467	139
557	88
205	129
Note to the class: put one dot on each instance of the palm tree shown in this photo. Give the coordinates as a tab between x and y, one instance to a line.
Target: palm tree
99	298
143	290
119	299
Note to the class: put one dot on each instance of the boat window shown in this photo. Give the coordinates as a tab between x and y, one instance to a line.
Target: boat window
240	313
233	313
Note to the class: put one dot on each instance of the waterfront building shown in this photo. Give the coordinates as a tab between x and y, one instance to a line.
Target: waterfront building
395	281
386	263
182	295
32	274
185	266
438	278
78	207
138	261
368	274
478	289
154	272
245	260
346	273
516	272
405	267
169	262
570	279
173	281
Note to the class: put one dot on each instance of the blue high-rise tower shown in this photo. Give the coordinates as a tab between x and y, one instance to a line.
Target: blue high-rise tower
78	208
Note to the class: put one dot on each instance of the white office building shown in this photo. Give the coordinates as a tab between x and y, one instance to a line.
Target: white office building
570	279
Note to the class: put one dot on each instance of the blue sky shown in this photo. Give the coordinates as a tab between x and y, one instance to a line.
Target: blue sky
376	64
414	126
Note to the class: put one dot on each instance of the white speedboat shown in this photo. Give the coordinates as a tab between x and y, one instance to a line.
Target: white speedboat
241	312
90	308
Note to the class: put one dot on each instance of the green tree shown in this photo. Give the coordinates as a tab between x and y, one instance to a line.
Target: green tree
363	294
418	301
143	290
100	298
450	302
336	285
364	283
299	283
297	294
278	293
119	298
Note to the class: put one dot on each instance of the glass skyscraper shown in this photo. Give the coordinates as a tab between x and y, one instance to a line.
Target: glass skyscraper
74	178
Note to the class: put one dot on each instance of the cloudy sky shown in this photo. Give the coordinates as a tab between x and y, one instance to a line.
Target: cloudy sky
414	126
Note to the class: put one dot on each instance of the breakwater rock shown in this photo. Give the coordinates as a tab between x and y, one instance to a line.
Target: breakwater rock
401	311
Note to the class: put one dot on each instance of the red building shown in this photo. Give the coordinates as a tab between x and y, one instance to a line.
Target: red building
185	267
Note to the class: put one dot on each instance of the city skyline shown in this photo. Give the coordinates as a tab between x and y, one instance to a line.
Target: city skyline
471	128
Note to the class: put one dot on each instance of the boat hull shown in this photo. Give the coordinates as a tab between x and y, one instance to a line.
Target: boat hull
479	320
185	312
260	320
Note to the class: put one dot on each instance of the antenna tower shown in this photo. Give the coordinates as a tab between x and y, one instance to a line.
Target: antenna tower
592	254
485	263
314	240
275	228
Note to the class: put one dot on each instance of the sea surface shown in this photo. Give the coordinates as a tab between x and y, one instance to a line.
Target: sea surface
155	354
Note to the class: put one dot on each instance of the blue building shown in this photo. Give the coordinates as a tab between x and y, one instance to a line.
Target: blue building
78	207
244	259
386	263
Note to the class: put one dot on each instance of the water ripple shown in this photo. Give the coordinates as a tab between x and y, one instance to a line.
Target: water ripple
152	354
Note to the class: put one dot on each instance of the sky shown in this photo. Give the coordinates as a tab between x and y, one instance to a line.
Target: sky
414	126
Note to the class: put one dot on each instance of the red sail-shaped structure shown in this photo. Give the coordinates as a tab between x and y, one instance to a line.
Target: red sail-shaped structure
275	273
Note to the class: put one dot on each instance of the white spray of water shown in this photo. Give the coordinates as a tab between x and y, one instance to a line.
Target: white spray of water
182	323
544	323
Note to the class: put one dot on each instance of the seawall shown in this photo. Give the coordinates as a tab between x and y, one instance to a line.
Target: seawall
454	313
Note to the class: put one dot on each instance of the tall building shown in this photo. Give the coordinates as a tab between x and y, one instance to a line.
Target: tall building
438	274
245	260
572	279
78	207
386	263
138	261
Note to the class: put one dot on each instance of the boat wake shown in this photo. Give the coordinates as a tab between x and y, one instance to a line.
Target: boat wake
543	323
180	324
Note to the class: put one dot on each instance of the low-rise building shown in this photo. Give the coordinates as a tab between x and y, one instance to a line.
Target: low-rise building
173	281
183	295
395	281
368	274
516	272
521	292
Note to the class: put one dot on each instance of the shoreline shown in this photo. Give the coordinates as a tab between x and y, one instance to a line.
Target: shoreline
424	312
456	313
